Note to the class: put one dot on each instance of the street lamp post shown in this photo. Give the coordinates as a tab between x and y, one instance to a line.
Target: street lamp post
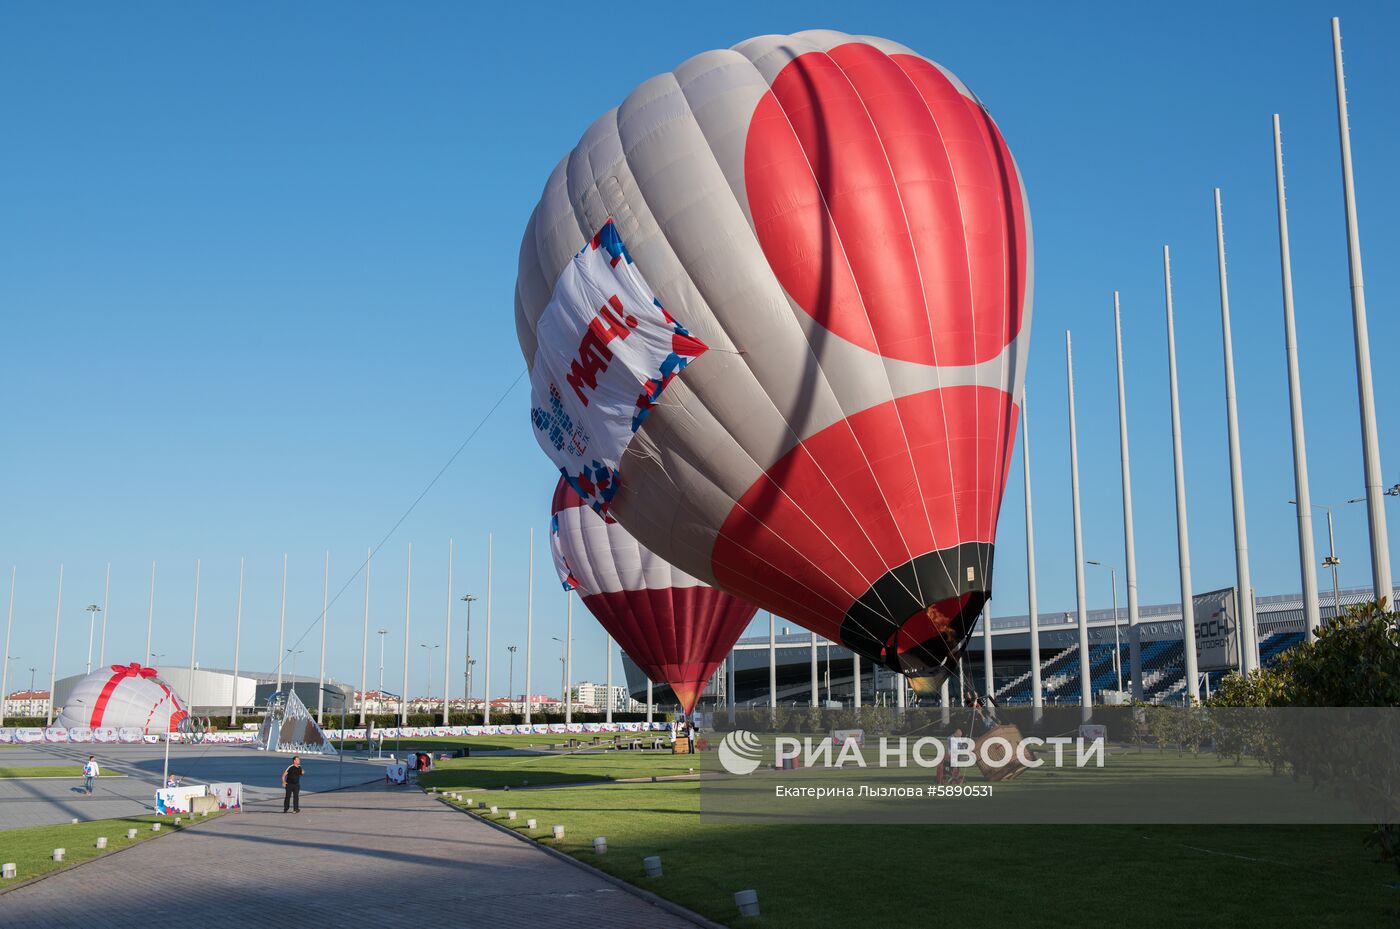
340	765
467	662
92	610
1113	582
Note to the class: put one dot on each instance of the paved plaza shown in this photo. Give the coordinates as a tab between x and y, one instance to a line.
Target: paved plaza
40	802
365	856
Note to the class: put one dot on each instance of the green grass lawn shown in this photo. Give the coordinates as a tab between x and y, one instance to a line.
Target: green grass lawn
72	770
535	770
966	876
480	743
32	848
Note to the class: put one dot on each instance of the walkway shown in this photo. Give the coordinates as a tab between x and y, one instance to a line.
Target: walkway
365	856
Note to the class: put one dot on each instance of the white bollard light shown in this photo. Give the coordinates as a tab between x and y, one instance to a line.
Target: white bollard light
493	811
747	901
102	841
155	827
531	824
75	822
131	833
58	854
9	870
600	845
652	863
559	832
510	814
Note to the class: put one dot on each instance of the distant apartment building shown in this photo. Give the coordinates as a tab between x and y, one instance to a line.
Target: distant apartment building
595	696
27	703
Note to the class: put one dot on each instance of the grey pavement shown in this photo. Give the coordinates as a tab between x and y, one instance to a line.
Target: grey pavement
26	802
365	856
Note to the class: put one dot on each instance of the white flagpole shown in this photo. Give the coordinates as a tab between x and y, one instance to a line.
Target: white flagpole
237	641
325	618
364	641
447	644
529	627
988	669
106	590
194	638
1183	542
1129	548
1307	557
53	667
486	688
1086	696
609	700
9	625
407	612
1032	604
1248	644
569	659
1370	443
150	616
772	665
282	624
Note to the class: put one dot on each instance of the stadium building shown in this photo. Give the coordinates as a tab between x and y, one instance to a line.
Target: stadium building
1279	619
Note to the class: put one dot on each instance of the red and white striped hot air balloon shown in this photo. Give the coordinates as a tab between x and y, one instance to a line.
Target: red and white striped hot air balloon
124	696
676	628
776	308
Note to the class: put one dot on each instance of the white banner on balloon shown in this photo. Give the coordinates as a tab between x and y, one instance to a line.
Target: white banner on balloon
606	349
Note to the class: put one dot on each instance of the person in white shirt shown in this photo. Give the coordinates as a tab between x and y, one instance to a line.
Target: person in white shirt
90	773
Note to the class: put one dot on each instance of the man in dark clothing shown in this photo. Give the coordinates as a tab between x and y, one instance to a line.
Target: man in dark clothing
291	779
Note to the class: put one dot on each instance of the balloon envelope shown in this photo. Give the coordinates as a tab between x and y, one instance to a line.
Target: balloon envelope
676	628
124	696
776	307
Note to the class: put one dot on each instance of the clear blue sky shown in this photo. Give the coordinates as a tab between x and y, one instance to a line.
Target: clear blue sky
256	272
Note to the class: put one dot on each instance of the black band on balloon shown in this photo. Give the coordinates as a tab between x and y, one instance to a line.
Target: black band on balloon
940	580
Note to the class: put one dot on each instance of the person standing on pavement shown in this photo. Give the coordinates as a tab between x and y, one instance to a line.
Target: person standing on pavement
90	773
291	780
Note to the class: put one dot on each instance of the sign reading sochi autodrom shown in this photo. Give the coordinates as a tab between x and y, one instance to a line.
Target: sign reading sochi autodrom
740	752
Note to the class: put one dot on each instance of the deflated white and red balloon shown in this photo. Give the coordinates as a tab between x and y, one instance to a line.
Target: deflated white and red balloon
124	696
676	628
776	307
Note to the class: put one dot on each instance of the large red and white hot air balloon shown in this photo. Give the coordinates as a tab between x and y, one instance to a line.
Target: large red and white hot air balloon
776	308
124	696
675	627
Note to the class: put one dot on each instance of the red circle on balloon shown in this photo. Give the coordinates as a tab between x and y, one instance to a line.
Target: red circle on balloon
888	206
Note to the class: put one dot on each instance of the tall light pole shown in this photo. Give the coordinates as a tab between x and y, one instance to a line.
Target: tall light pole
381	633
106	593
237	641
1183	542
281	623
468	599
1248	641
569	658
364	641
407	613
1307	556
428	666
92	609
1117	642
486	669
1086	697
325	618
1129	545
447	646
1370	443
530	627
9	625
563	667
1032	604
510	678
53	667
